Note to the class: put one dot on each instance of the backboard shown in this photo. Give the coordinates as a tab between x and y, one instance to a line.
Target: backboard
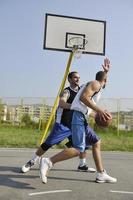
60	29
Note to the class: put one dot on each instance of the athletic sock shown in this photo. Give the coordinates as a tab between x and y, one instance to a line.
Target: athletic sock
35	158
82	161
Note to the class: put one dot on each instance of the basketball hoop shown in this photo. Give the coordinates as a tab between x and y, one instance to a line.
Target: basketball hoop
77	45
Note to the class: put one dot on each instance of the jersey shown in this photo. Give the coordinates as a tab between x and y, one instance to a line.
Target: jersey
80	106
64	116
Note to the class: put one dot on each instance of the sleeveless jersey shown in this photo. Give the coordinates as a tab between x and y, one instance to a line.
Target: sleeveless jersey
64	116
80	106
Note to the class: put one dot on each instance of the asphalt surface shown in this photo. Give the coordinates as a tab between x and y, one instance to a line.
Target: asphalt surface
64	182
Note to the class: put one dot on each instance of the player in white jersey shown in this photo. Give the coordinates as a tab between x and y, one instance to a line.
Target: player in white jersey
84	102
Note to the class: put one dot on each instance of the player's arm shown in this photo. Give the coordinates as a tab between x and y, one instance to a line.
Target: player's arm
86	95
106	65
88	92
63	100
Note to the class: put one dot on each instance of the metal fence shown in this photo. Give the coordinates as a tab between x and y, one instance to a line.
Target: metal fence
12	110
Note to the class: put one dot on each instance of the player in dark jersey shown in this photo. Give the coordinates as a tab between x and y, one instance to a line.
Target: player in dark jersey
62	125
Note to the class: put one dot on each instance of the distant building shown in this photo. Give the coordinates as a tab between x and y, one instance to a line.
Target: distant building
14	113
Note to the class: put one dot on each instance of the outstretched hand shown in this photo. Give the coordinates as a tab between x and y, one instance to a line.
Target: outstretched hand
106	65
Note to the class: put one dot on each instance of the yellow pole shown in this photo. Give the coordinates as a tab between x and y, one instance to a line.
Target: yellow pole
57	98
118	116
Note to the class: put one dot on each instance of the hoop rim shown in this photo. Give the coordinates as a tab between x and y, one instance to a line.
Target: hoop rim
78	46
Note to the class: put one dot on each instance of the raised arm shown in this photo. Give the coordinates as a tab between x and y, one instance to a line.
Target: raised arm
106	65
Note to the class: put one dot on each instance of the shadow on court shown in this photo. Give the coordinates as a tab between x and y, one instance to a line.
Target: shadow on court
63	178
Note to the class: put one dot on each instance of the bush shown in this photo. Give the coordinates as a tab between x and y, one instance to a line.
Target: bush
27	122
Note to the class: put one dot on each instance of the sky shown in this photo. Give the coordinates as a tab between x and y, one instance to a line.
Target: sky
26	70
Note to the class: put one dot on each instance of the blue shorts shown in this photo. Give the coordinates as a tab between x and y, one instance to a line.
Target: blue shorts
82	133
58	133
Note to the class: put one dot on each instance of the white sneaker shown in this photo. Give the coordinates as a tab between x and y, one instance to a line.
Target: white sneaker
103	177
91	170
45	166
25	168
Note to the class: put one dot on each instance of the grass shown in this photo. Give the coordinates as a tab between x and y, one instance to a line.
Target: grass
26	137
18	137
111	142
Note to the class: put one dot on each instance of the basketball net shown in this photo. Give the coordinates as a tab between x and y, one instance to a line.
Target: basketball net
78	45
77	52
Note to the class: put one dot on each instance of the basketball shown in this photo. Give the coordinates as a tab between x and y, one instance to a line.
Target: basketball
101	122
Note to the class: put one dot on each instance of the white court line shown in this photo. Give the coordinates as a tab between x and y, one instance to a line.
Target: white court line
121	192
16	150
49	192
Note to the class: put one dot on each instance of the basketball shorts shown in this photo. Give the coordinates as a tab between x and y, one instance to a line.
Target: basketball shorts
82	133
58	133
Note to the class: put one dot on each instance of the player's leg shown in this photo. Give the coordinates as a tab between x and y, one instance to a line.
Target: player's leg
82	166
93	139
35	157
82	162
57	134
78	138
47	163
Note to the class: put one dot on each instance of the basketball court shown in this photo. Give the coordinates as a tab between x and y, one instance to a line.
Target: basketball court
64	182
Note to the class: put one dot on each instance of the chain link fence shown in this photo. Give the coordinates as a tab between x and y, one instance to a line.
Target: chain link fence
17	111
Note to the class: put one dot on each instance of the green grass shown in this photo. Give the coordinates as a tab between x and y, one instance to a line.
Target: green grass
26	137
111	142
18	137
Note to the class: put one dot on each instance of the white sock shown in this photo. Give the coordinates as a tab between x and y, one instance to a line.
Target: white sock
82	161
35	158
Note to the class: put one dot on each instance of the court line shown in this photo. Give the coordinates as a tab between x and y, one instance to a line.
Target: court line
49	192
16	150
4	149
121	192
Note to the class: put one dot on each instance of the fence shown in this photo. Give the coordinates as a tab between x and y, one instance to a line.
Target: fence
12	110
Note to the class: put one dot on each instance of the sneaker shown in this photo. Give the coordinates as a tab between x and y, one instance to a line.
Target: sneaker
45	166
103	177
85	168
25	168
